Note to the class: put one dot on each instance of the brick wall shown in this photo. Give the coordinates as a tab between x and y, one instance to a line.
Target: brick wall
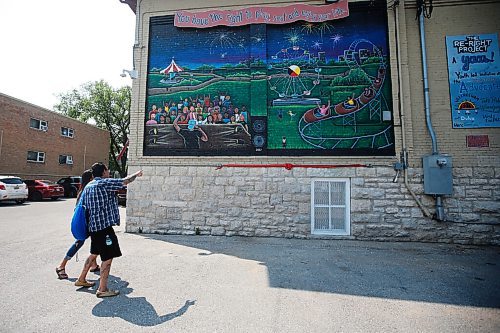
89	144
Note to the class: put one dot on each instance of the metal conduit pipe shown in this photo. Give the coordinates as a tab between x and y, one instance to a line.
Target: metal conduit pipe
424	210
440	216
426	84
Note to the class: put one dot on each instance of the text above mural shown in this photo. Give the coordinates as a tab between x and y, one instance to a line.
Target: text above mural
474	74
266	15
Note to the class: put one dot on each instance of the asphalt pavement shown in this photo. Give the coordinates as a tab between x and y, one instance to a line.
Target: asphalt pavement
236	284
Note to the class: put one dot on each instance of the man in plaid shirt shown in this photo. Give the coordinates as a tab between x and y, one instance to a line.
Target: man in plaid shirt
101	206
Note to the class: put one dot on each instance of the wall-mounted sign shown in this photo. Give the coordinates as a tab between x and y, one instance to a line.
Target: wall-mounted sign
478	141
474	74
262	15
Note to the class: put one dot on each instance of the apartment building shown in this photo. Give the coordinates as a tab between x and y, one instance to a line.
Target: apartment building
41	144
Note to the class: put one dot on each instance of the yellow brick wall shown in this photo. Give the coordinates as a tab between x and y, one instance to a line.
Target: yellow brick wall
464	17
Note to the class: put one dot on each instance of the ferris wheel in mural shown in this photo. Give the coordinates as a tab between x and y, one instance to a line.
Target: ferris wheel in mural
294	76
315	126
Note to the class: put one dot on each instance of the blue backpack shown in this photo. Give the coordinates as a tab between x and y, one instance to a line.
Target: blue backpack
79	221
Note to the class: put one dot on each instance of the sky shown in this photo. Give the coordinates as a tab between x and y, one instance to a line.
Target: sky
54	46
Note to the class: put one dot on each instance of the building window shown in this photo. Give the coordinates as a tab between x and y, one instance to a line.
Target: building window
36	156
330	207
39	124
65	159
67	132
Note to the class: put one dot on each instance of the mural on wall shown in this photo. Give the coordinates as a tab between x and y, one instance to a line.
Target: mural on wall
474	74
304	88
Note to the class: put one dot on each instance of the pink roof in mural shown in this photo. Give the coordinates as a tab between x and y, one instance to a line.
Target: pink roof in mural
173	67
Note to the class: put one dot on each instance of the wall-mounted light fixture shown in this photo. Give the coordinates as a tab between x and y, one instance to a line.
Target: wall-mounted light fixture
133	74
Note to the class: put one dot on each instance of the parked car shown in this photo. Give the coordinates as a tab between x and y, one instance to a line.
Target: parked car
71	185
43	189
122	196
13	188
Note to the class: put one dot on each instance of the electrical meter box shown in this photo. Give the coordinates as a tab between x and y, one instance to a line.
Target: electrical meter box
438	178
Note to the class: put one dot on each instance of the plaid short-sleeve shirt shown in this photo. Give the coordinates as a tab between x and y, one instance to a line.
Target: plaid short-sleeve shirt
101	203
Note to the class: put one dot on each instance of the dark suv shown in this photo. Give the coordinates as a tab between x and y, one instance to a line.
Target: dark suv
71	185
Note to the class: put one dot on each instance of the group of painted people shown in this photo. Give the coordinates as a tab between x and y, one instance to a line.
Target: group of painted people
202	109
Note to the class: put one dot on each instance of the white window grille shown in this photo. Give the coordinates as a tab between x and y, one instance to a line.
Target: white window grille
67	132
39	124
36	156
330	207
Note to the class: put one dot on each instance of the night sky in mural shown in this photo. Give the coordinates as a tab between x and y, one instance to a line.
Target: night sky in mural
216	46
296	89
222	45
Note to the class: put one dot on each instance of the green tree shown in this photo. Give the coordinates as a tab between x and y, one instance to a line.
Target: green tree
109	108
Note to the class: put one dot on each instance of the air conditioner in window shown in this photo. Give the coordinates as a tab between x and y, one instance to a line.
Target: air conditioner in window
43	128
69	160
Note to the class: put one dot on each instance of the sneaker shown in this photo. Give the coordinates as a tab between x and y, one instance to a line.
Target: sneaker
107	293
85	284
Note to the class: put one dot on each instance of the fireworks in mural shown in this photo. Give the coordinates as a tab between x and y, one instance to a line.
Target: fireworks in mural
225	39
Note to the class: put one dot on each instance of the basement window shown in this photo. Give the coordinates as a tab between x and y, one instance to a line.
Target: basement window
330	207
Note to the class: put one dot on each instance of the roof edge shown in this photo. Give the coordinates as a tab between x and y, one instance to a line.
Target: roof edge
131	3
48	110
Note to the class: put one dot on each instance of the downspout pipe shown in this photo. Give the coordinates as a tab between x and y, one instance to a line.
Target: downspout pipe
426	84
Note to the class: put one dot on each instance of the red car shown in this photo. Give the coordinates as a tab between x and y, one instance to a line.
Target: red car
122	196
43	189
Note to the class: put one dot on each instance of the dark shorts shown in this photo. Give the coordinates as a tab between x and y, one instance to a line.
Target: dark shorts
98	244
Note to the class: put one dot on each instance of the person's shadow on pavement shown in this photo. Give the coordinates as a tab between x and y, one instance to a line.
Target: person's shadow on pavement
136	310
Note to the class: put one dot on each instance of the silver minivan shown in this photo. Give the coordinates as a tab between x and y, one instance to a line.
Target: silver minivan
13	188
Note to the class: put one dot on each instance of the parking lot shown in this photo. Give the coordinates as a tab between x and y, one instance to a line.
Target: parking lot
232	284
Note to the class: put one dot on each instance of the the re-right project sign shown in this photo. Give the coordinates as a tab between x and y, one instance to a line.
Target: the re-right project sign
474	75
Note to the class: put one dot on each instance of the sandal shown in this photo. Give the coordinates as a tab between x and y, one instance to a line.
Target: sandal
61	274
96	269
85	284
107	293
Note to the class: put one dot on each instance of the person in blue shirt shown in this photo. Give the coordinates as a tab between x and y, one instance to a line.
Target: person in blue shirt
101	205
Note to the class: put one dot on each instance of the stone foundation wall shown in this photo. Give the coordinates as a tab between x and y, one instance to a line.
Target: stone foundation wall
274	202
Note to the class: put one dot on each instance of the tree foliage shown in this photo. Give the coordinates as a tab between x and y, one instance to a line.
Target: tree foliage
109	108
